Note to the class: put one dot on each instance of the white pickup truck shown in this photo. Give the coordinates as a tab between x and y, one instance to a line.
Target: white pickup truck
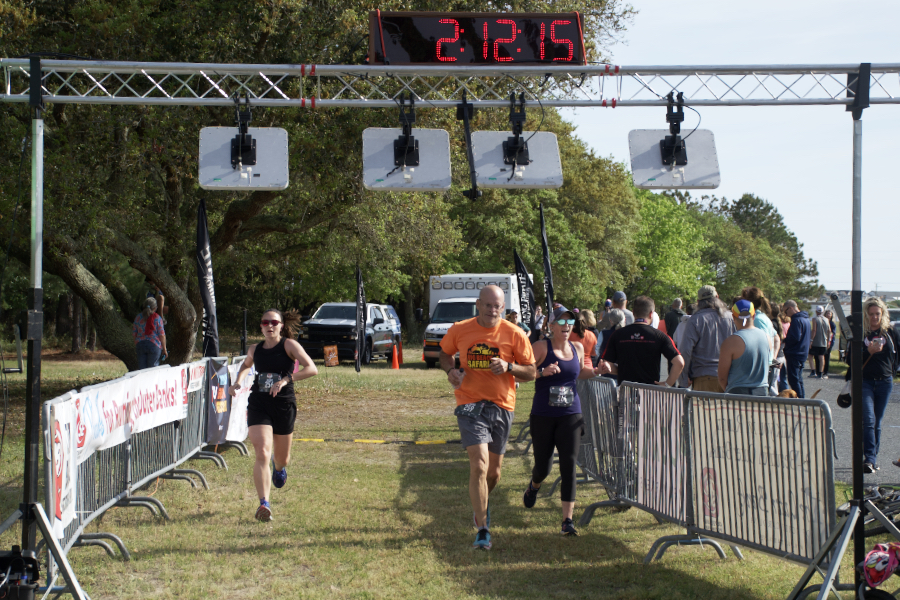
452	298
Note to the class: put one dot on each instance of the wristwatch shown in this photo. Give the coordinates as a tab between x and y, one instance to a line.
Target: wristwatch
290	379
508	367
540	372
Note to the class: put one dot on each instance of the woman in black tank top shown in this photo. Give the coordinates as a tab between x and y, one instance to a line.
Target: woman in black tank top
272	409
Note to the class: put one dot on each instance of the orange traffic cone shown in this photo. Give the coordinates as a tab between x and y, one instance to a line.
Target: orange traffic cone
394	363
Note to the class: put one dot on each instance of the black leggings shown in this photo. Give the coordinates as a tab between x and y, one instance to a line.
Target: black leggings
564	434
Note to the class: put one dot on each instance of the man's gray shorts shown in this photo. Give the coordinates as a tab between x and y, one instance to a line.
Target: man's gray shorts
491	427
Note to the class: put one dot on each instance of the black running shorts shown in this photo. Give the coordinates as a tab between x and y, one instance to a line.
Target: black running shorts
278	413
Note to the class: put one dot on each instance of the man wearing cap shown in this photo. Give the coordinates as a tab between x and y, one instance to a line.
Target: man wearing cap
701	342
744	357
633	352
796	346
619	301
820	331
492	353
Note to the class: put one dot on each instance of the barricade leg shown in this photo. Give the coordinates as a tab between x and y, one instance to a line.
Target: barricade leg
183	474
664	542
126	555
239	445
101	543
154	505
216	458
72	585
589	510
524	431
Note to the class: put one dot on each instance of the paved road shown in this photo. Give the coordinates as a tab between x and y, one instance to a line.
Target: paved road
890	432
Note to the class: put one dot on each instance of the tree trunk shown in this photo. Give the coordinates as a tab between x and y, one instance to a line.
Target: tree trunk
63	324
92	336
76	325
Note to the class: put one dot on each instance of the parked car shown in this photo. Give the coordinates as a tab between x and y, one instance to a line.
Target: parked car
334	323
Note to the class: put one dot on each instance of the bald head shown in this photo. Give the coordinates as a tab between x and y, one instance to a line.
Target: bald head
490	293
490	305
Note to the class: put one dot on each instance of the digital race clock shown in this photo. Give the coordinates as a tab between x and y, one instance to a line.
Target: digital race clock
404	38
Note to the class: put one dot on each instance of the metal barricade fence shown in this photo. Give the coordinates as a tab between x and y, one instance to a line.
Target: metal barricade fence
600	453
763	472
109	476
656	471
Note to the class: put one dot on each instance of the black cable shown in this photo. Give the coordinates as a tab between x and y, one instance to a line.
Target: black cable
699	120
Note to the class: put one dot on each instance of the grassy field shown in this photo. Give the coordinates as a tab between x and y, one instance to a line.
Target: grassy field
379	521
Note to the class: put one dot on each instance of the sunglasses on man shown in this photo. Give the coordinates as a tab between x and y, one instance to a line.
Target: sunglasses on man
273	322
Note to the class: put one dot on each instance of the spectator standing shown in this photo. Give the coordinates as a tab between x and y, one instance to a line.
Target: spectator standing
796	346
149	335
744	358
829	316
619	300
779	358
616	320
513	317
634	351
704	334
539	318
493	354
583	335
880	356
679	334
820	332
673	317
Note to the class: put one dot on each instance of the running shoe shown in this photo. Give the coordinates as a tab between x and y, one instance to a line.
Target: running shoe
279	477
868	468
568	528
530	496
482	540
264	512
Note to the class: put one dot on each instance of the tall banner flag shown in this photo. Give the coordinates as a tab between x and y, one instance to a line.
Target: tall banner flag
548	270
360	318
526	292
207	289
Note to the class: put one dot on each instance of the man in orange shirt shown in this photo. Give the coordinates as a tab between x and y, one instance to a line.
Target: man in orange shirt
492	353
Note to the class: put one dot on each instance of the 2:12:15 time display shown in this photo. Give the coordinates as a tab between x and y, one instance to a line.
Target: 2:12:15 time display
433	38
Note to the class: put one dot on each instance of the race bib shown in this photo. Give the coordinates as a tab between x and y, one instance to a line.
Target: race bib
561	396
265	381
471	410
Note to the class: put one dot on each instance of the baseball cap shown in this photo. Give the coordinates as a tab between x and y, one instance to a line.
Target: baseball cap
618	296
744	310
513	312
707	292
820	310
559	311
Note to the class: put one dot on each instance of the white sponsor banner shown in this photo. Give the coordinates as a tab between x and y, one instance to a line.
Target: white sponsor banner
62	450
237	424
108	415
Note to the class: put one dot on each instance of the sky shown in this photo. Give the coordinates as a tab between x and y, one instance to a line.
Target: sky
797	158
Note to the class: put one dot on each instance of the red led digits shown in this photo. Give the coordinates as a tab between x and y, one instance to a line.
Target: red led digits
499	41
448	40
558	41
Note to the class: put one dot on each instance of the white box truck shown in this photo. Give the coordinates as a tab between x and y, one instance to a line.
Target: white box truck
451	298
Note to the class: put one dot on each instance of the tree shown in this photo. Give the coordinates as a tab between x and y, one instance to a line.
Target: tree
670	245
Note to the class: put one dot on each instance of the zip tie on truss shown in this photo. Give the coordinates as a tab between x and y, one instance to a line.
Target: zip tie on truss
312	70
613	103
615	70
312	102
394	442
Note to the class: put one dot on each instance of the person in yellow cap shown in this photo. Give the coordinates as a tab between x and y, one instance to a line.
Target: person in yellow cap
744	356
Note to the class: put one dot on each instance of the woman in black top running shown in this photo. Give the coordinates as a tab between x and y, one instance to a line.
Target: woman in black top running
272	408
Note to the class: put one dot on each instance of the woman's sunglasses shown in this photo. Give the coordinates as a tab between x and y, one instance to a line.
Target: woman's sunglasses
273	322
565	321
